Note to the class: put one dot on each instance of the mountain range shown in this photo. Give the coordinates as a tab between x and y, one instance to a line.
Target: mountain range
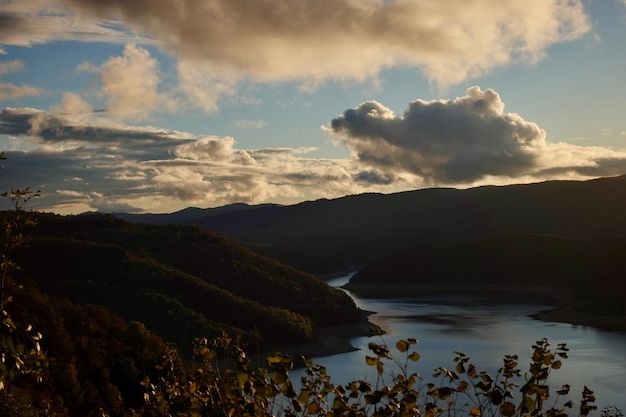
326	236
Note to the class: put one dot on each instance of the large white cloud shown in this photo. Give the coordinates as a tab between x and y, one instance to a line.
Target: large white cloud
130	83
346	39
312	40
463	141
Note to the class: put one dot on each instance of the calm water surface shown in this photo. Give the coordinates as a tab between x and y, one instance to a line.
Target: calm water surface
486	330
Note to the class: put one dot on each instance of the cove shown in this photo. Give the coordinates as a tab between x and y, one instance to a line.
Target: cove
486	329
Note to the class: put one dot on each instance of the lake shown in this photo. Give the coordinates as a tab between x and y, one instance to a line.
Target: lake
486	330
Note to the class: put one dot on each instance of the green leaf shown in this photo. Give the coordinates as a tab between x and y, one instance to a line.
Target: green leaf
527	405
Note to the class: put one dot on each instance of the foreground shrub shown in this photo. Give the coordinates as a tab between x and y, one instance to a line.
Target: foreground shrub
221	382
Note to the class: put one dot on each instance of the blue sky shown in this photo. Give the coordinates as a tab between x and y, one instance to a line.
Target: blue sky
115	105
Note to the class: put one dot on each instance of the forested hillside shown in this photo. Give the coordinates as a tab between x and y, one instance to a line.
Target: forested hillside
181	281
116	302
594	269
94	362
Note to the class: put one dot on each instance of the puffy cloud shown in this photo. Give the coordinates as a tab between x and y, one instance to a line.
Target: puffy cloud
314	41
72	103
130	83
213	149
451	141
465	141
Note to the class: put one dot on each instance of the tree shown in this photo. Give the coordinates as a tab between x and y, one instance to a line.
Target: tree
20	351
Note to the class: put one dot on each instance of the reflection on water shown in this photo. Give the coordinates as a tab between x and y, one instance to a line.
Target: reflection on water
486	330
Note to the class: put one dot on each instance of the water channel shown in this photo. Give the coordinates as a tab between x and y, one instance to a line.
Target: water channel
486	330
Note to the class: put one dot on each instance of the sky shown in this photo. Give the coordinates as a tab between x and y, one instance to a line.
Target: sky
143	106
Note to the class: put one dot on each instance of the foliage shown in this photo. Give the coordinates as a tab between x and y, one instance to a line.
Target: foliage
12	226
210	388
20	349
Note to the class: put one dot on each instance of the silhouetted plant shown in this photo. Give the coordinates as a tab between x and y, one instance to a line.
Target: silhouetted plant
213	387
20	351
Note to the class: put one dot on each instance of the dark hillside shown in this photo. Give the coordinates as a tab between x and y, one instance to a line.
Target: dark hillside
181	281
593	268
330	235
95	360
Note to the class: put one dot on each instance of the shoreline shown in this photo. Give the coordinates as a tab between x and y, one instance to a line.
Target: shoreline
333	340
561	298
542	294
576	318
328	340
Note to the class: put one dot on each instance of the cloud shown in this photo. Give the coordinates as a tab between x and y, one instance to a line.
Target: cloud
202	87
250	124
72	103
213	149
11	91
130	83
311	41
374	177
82	160
220	45
34	22
462	141
450	141
8	67
90	134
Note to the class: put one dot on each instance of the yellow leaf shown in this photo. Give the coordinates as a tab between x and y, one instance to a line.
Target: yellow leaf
402	346
507	409
371	361
313	407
